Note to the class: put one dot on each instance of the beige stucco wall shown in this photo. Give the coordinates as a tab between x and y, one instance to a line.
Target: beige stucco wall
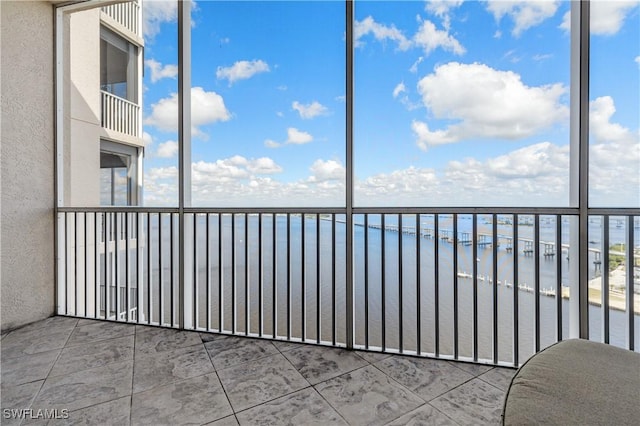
83	90
27	162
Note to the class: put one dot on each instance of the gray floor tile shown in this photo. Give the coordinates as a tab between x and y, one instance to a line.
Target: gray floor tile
19	343
156	340
250	384
305	407
475	402
227	351
372	357
16	398
152	370
96	331
197	400
317	363
475	369
51	324
425	415
267	382
227	421
84	357
499	377
28	368
367	396
208	337
86	321
428	378
89	387
286	346
109	413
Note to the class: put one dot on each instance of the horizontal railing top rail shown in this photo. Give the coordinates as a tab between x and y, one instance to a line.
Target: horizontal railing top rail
120	99
568	211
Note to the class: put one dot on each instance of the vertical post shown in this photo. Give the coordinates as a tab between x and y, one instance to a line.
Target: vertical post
604	268
630	265
349	174
579	171
184	155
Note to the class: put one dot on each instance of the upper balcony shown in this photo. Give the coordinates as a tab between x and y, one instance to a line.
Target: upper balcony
126	15
121	119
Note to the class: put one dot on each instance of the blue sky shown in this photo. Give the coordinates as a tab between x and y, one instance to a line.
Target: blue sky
456	103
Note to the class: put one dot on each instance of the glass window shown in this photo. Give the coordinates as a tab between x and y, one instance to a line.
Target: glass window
115	188
118	174
614	104
118	66
268	103
461	103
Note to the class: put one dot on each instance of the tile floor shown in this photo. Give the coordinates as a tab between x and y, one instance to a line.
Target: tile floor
105	373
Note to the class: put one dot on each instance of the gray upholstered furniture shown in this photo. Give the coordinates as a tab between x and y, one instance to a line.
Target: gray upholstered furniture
576	382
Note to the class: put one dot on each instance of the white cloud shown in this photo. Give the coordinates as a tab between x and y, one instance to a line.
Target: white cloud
512	56
400	88
614	158
637	60
487	103
295	136
414	67
441	9
271	143
380	32
535	175
601	129
148	140
229	170
206	108
240	181
410	186
608	16
429	38
532	175
167	149
525	14
155	13
242	70
322	170
566	22
263	166
311	110
542	57
159	71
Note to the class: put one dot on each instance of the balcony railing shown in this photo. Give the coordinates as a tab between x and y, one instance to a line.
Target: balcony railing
489	287
120	115
126	14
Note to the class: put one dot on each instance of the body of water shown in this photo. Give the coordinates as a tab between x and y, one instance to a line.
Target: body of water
310	291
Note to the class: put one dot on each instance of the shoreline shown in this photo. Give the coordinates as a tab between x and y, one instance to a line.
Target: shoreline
617	298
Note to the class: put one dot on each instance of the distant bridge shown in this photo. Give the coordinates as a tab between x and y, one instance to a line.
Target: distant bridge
486	239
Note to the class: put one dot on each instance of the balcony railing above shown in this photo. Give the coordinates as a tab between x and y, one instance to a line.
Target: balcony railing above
120	115
126	14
